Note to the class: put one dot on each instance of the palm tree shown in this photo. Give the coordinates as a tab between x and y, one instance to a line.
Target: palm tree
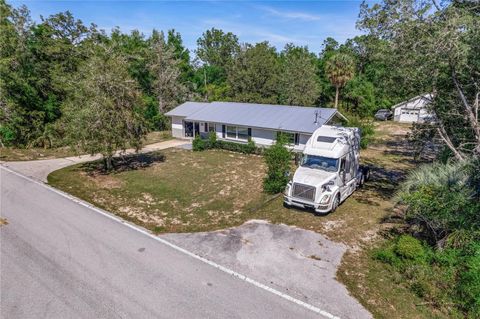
339	69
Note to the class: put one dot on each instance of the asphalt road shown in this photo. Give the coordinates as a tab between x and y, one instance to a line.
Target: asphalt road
59	259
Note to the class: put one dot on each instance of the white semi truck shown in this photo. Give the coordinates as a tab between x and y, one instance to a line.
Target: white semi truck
329	170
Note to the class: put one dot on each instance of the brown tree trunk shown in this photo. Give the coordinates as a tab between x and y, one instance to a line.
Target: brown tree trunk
337	89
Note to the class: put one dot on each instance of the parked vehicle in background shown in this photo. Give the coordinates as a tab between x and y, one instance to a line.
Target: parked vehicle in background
384	115
329	170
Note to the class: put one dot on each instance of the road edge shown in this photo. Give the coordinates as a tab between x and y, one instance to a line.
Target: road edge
173	246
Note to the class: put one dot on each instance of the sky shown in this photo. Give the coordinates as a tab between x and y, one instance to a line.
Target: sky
306	23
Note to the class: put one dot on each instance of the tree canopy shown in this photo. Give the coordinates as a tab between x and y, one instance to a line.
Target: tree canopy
37	60
340	70
103	112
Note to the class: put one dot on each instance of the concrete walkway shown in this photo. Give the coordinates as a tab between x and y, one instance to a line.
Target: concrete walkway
39	169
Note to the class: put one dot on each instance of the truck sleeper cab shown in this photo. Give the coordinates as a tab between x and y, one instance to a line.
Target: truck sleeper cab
329	170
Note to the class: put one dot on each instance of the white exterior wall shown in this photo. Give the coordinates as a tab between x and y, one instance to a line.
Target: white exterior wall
261	137
396	114
408	115
302	141
412	111
177	126
218	129
202	127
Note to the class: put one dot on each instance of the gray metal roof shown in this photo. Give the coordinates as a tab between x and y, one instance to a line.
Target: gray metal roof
187	109
427	97
276	117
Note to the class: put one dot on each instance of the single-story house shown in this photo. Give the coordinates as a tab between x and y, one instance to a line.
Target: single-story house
239	122
413	110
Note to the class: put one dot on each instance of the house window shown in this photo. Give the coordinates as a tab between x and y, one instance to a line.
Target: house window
291	138
238	133
211	127
231	132
242	133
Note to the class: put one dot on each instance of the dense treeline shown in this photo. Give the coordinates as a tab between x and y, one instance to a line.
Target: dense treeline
40	65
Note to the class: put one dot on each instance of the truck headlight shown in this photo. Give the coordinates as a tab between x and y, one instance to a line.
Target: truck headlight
326	187
287	189
325	199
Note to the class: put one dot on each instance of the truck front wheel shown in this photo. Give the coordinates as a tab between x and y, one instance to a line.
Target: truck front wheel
336	203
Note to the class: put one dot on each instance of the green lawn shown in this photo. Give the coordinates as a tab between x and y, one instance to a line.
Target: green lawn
186	192
202	191
38	153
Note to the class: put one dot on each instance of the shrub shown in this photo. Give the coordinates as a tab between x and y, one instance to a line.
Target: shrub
7	135
437	174
442	210
248	148
440	202
212	138
277	158
387	255
473	172
469	285
200	144
410	248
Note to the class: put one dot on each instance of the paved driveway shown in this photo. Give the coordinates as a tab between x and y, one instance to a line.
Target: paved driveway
296	261
39	169
60	259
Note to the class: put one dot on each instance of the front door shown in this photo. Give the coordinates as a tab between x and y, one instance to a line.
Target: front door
188	129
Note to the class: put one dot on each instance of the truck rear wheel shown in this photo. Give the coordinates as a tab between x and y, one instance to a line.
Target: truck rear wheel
366	174
361	179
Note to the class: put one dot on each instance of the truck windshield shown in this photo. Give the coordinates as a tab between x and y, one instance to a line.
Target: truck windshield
320	162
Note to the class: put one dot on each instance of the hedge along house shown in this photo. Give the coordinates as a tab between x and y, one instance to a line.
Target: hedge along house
238	122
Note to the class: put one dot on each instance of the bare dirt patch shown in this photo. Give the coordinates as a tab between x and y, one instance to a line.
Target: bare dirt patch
105	181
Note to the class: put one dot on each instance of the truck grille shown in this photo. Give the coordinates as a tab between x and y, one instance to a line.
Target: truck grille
304	191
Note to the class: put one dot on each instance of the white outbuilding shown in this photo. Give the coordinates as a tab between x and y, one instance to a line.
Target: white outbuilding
414	110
